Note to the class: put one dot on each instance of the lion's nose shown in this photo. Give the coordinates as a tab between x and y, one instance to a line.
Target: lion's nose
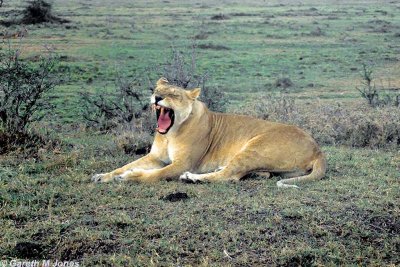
158	99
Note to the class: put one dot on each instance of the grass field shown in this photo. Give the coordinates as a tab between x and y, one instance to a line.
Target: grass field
49	209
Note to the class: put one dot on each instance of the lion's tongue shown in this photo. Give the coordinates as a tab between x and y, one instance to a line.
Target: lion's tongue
164	121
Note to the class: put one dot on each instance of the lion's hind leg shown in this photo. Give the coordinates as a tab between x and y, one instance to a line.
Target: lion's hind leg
318	172
248	160
240	165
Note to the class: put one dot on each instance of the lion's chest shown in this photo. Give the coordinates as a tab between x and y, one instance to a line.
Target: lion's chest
176	151
172	150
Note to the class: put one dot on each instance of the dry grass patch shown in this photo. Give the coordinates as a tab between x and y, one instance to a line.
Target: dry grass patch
354	126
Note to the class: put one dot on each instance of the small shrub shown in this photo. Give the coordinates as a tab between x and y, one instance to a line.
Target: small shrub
213	47
134	143
200	36
28	143
368	90
372	94
317	32
203	32
275	107
283	82
128	104
124	113
219	17
36	12
181	69
24	100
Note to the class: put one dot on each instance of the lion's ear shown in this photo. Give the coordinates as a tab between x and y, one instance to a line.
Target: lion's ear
194	93
162	81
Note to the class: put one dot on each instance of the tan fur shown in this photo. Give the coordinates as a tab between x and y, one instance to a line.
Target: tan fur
207	146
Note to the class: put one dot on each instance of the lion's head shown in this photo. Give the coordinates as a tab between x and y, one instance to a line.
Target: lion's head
172	104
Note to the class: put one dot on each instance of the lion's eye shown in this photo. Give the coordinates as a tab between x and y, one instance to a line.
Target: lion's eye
174	96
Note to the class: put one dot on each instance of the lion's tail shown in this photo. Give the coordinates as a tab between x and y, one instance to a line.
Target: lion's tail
318	172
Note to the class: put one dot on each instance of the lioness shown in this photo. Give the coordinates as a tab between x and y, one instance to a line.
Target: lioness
200	145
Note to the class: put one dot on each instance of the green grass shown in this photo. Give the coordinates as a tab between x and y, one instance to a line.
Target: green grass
349	218
50	210
265	41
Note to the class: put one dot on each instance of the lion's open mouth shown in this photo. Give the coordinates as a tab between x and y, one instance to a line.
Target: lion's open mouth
165	118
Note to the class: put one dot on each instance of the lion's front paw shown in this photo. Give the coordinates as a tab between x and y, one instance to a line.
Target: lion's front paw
189	177
130	175
101	178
